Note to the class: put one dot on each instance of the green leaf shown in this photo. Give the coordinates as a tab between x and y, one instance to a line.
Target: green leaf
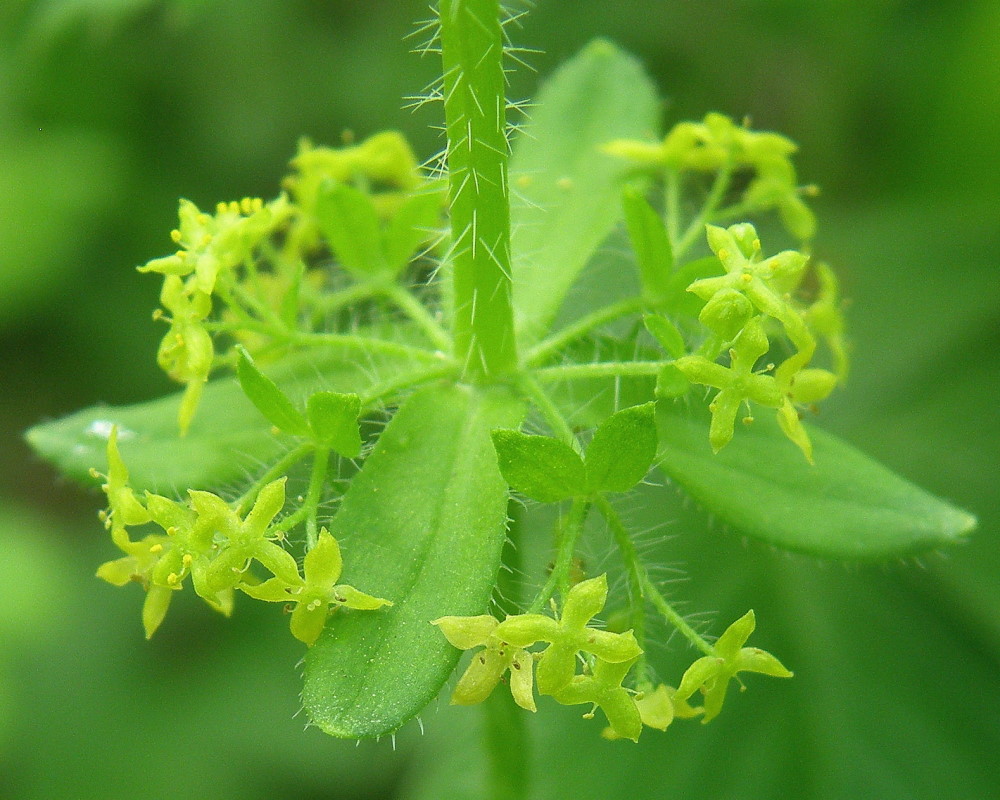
565	192
539	467
846	506
653	253
423	524
228	439
415	224
350	223
268	398
666	333
334	421
622	450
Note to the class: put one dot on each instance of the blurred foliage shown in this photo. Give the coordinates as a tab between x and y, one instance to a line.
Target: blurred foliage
112	109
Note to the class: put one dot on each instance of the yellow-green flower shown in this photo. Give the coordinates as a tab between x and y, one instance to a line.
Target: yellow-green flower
488	665
765	282
826	318
569	635
603	688
718	144
737	383
711	674
137	567
186	352
215	243
189	550
243	540
318	594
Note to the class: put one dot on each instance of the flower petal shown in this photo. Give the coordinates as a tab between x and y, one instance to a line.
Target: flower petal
467	632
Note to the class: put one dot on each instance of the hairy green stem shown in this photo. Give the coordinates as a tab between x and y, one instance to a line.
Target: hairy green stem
635	575
321	461
671	616
602	369
285	463
419	314
582	327
309	509
551	413
697	226
569	533
362	343
388	388
477	152
342	298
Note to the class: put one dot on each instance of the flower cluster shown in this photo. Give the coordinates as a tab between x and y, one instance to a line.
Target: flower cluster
739	305
251	270
215	249
719	145
206	539
607	660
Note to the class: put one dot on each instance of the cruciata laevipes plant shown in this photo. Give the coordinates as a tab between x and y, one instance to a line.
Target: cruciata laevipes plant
414	346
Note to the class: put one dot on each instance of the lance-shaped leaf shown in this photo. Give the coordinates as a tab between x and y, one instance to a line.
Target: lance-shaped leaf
653	253
228	437
666	334
845	506
422	525
268	398
565	191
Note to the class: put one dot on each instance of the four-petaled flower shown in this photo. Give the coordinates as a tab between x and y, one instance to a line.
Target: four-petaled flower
711	674
569	635
138	564
488	665
212	244
603	687
141	558
315	596
241	541
826	318
736	383
765	282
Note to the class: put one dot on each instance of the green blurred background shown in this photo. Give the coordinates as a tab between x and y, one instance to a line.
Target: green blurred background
112	109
